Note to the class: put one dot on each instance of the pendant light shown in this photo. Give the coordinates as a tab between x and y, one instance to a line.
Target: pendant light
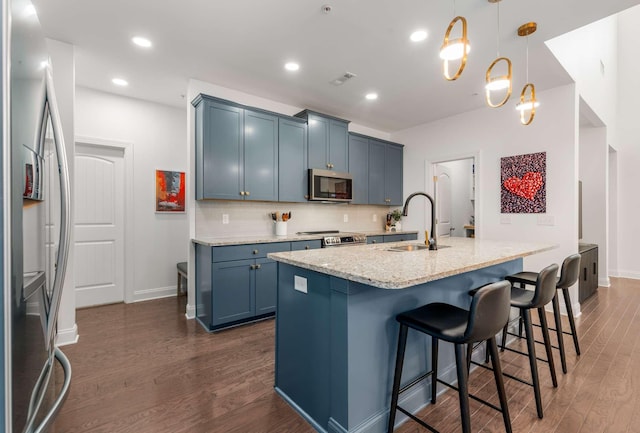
528	102
455	49
500	82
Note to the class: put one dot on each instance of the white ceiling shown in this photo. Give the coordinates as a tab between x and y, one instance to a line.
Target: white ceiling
243	44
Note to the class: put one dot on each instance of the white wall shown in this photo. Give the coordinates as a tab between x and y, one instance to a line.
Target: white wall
582	53
628	145
157	135
593	172
496	133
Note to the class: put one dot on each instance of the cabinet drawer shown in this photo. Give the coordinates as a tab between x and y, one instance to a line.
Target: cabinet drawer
375	239
249	251
306	245
403	237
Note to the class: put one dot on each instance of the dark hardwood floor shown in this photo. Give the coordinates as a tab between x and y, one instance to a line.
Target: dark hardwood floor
144	368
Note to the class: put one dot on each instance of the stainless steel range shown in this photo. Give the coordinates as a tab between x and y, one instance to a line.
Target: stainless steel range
334	238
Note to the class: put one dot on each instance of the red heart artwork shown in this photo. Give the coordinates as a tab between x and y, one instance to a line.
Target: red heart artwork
526	187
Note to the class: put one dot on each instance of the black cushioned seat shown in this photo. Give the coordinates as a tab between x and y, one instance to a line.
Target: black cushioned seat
525	301
569	274
488	313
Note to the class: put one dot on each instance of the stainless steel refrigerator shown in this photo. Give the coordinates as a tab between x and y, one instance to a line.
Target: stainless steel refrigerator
34	194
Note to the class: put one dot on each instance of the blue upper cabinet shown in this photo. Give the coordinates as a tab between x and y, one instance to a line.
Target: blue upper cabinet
328	143
385	172
393	174
377	180
359	168
236	152
292	177
219	150
260	156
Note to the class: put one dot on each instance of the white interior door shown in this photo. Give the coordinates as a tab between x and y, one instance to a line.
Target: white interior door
443	201
99	225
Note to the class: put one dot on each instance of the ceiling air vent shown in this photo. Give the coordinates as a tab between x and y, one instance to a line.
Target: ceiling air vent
342	79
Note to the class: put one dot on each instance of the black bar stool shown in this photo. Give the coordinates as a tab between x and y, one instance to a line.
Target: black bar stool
569	274
525	301
488	313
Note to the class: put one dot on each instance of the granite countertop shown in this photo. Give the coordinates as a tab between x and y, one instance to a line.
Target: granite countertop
242	240
376	266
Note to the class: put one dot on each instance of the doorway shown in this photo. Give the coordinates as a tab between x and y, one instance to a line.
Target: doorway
454	190
99	224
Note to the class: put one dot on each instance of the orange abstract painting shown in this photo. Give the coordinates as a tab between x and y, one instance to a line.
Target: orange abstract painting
170	191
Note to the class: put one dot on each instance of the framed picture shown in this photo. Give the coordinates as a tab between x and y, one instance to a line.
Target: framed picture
170	191
523	183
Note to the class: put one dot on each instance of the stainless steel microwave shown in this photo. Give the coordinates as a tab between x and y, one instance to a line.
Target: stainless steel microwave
327	185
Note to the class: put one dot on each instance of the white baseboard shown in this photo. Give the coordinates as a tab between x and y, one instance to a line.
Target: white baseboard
577	312
634	275
190	312
156	293
67	336
604	282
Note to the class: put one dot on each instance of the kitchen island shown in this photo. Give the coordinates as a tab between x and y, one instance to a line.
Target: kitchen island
336	332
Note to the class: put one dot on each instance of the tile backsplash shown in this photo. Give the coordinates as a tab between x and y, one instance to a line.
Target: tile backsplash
254	218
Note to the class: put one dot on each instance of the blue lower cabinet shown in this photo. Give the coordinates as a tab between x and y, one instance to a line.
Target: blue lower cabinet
266	284
375	239
306	245
232	296
236	283
401	237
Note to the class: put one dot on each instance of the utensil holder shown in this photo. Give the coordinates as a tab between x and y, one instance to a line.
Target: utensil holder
281	228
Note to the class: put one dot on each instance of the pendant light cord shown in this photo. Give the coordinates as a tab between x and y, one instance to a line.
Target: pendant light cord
527	58
498	34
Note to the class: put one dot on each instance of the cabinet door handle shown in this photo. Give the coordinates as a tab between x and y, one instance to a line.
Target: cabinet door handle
247	193
594	268
584	273
241	192
258	266
306	196
252	267
255	251
374	241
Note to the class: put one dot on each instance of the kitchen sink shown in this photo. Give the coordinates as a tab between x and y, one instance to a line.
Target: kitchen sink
413	247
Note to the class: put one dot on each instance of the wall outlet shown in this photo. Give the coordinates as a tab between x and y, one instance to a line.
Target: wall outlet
300	284
346	218
505	219
225	218
375	218
546	220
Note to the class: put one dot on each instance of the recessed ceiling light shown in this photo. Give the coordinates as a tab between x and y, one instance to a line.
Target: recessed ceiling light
141	42
291	66
29	10
371	96
418	36
120	82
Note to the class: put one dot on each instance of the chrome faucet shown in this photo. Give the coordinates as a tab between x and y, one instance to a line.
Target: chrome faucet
433	245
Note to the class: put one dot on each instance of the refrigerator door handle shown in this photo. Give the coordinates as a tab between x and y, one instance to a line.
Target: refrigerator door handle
64	392
51	107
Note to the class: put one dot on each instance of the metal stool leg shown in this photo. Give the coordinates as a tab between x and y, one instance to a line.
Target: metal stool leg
503	343
547	345
531	348
463	388
402	344
434	368
572	322
492	349
558	320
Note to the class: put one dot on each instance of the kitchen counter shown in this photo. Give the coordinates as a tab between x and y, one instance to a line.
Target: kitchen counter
378	266
335	319
263	239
